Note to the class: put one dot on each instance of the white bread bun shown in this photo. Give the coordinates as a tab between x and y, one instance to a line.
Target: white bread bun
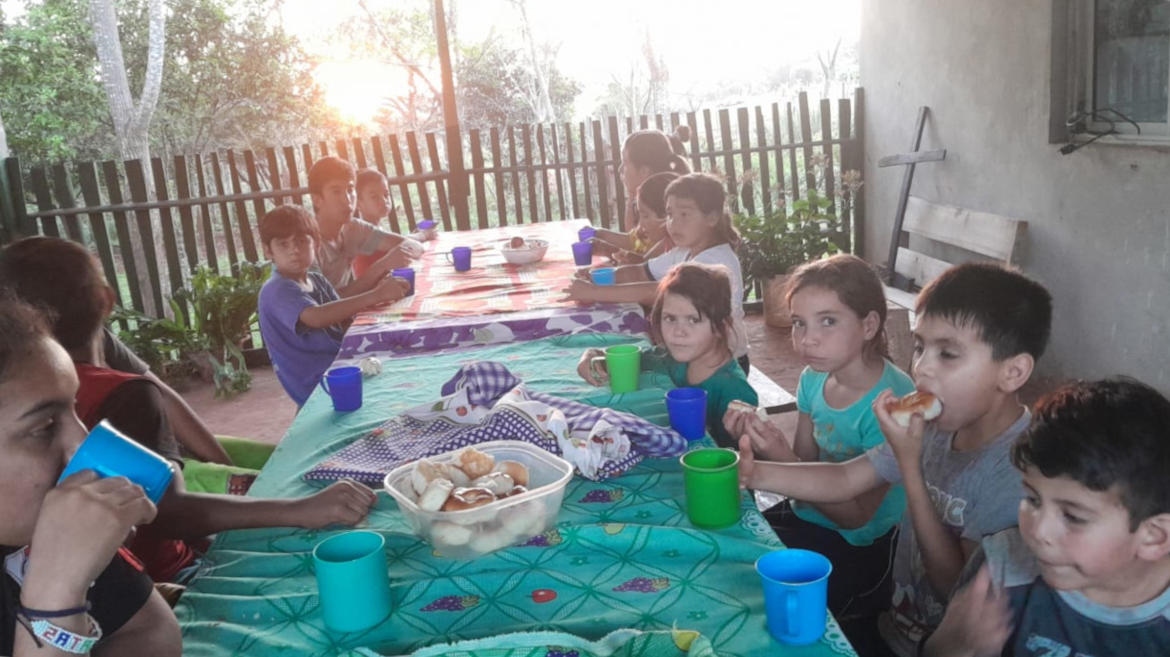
514	469
468	498
902	409
423	473
474	462
497	482
435	495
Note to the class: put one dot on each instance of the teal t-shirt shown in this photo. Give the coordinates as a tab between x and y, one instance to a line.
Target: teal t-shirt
842	434
728	383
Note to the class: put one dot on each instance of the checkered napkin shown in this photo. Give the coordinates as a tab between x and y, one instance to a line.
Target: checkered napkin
485	402
487	381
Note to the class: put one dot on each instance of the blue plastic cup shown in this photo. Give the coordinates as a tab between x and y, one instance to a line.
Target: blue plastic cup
353	581
796	588
406	274
687	408
344	385
583	253
109	453
602	276
461	256
586	233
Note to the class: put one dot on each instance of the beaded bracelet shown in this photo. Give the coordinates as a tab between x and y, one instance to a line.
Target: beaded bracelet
45	633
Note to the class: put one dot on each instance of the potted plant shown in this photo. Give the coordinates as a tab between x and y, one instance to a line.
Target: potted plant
795	233
223	309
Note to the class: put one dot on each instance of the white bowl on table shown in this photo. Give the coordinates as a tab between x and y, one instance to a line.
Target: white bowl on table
532	251
495	525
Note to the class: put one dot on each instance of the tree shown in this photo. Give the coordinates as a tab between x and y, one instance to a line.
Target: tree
495	84
828	62
645	89
49	93
131	118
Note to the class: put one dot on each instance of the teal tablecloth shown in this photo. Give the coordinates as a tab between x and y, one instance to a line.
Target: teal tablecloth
623	554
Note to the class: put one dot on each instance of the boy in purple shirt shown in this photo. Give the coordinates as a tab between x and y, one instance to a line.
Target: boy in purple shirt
302	319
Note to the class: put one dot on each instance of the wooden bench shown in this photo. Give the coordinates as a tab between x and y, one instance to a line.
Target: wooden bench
955	233
773	398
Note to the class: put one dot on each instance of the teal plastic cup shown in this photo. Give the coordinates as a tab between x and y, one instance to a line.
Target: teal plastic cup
711	482
353	582
796	587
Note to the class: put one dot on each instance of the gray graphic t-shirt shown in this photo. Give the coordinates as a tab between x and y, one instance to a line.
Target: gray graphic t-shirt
1051	623
975	492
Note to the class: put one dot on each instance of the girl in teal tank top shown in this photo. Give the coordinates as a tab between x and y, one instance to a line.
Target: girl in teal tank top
838	319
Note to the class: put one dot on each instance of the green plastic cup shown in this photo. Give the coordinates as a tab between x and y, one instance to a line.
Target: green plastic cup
711	480
623	362
353	582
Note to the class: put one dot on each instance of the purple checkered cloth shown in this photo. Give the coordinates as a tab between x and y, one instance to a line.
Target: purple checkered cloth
486	381
404	438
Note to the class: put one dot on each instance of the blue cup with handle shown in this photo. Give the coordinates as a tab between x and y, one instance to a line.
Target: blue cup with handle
796	588
353	581
687	408
406	274
109	453
344	385
461	257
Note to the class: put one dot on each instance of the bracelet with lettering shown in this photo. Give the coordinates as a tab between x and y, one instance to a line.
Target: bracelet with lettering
45	633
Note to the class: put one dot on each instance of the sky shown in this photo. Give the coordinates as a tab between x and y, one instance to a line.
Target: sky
704	43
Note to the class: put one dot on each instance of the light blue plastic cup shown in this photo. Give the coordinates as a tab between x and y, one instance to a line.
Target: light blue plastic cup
110	454
602	276
796	588
353	582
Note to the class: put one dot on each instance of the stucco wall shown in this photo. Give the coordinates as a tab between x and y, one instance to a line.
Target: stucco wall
1098	219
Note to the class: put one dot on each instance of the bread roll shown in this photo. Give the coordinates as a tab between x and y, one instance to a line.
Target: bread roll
435	495
474	462
468	498
902	409
497	482
514	469
423	473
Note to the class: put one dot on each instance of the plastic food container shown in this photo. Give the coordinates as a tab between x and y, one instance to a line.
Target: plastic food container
532	251
474	532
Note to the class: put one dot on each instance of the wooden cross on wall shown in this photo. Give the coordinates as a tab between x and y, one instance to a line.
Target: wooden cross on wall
909	160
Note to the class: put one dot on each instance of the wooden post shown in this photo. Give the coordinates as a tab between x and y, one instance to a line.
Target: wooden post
458	187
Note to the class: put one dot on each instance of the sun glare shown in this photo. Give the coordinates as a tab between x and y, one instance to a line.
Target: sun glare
356	88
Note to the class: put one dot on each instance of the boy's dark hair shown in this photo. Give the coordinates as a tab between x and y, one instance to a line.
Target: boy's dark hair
707	287
285	221
1102	434
708	193
62	278
20	325
1011	312
368	176
326	170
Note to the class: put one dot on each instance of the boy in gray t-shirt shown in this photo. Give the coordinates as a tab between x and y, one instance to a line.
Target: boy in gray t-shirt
1088	570
975	492
980	329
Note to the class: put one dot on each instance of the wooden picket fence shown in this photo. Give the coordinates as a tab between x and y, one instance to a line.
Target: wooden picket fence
205	207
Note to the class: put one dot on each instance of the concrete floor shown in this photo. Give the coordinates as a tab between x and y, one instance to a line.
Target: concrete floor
265	412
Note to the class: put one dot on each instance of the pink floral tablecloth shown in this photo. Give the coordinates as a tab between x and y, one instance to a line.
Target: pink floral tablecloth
495	302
